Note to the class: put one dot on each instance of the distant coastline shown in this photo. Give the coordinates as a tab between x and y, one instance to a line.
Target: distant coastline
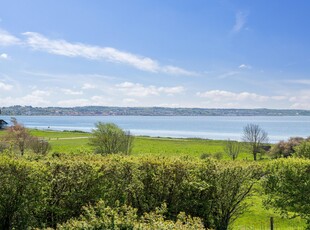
144	111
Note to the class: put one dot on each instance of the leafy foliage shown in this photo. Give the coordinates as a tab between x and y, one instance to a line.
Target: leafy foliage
232	149
101	216
285	149
108	138
50	191
287	186
22	193
303	150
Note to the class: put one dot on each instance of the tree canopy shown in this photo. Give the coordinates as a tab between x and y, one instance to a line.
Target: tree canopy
108	138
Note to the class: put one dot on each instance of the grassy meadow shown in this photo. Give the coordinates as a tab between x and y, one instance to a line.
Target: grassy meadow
71	142
256	218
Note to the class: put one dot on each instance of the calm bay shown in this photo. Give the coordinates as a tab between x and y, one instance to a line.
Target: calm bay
210	127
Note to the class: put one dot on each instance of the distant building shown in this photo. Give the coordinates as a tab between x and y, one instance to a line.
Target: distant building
3	124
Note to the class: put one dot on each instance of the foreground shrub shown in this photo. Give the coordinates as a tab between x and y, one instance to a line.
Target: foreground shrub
22	193
72	184
3	146
213	191
219	191
303	150
44	192
287	186
124	217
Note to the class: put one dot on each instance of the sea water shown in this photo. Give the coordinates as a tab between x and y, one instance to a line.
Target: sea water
209	127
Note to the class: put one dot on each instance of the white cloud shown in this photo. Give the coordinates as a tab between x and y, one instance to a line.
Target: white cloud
35	98
62	47
74	102
305	105
94	100
71	92
222	95
300	100
88	86
4	86
178	71
228	74
4	56
228	99
240	21
130	100
40	93
171	90
139	90
6	39
244	66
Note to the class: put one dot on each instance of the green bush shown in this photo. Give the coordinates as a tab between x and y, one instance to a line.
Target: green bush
303	150
207	189
72	184
22	193
287	186
124	217
39	146
46	191
108	138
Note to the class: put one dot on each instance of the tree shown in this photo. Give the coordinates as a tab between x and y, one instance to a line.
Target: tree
18	136
255	136
108	138
232	148
233	185
39	146
287	186
286	148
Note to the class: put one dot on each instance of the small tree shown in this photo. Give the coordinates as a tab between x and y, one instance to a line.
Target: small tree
18	136
108	138
39	146
255	136
286	185
232	148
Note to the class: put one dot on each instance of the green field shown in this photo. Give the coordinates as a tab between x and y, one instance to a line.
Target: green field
256	218
69	142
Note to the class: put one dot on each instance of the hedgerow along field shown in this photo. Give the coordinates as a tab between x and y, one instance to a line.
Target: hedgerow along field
257	217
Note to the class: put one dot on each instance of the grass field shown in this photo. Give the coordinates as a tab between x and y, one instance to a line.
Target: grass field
256	218
68	142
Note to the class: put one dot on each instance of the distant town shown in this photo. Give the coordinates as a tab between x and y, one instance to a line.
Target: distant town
144	111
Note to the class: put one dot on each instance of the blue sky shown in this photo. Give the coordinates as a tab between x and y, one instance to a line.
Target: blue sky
189	53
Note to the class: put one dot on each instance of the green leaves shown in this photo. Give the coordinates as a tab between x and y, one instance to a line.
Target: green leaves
108	138
287	186
50	191
22	192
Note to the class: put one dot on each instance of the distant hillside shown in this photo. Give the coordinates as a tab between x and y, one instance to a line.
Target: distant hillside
145	111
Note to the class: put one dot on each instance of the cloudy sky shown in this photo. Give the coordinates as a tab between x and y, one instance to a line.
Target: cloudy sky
191	53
